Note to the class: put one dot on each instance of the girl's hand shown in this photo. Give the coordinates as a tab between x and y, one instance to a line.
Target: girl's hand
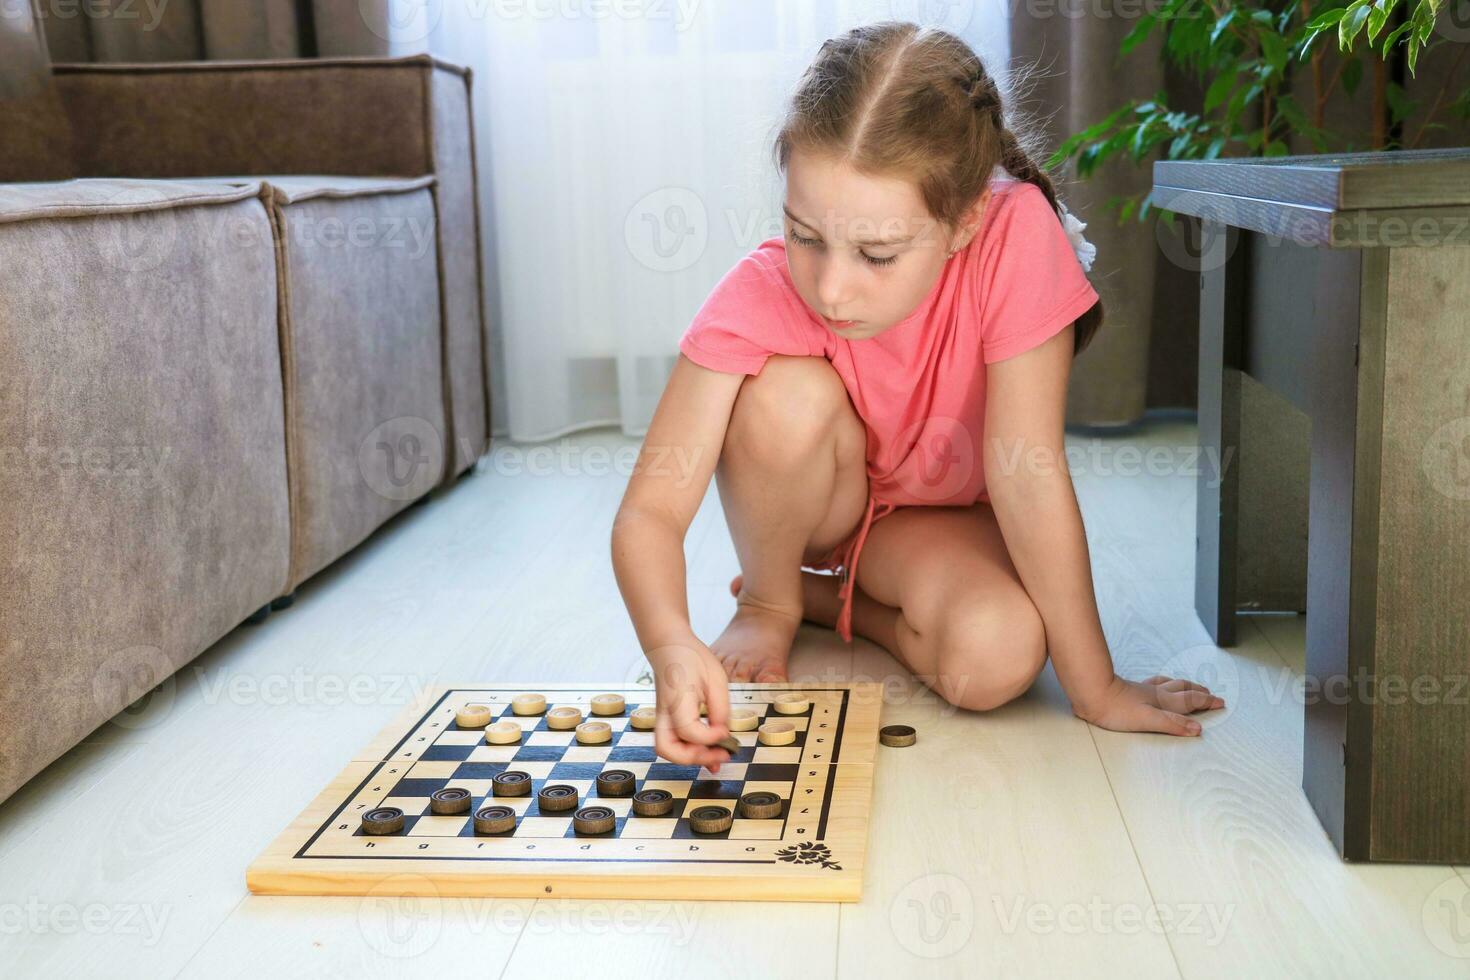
686	674
1158	704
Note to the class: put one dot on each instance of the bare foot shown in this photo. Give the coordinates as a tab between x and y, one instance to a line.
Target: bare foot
820	604
757	643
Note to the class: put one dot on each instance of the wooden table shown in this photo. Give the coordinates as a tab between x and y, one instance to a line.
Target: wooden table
1334	386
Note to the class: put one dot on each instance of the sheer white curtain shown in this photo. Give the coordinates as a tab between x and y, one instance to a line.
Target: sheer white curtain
625	166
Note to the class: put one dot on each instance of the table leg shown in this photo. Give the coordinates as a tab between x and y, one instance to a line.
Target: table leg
1223	264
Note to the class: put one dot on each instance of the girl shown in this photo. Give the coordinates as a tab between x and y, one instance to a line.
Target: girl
887	382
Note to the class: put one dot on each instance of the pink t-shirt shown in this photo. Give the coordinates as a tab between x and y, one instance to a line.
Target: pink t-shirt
919	386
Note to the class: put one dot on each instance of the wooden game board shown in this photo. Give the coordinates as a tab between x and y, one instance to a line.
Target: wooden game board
813	852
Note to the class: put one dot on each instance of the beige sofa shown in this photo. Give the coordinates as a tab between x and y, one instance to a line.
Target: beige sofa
250	336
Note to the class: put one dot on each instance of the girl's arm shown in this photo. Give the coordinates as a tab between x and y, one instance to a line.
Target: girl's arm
1036	507
668	484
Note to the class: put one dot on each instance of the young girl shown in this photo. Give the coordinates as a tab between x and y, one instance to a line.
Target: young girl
887	382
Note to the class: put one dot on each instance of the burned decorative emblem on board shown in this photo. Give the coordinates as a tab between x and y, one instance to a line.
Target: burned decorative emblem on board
808	852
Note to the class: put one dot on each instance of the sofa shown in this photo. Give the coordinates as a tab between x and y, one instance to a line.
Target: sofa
241	327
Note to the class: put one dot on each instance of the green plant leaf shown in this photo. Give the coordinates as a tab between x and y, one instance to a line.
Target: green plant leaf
1273	47
1400	106
1219	90
1351	23
1326	19
1377	17
1352	74
1222	25
1140	31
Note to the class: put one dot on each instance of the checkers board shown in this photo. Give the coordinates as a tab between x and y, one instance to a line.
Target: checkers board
812	851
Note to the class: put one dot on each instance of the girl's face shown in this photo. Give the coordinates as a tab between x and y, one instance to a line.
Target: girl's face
863	251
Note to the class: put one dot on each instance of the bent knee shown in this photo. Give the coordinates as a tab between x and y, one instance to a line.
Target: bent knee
990	654
798	400
794	387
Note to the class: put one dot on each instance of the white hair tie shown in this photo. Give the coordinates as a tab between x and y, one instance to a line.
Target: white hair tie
1072	225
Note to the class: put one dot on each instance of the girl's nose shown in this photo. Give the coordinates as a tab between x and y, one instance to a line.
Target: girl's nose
833	292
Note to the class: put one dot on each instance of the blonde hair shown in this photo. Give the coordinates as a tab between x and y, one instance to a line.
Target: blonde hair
897	99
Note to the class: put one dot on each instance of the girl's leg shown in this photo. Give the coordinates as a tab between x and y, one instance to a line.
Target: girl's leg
793	482
937	589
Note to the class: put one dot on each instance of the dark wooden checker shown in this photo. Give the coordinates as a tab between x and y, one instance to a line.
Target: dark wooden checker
812	851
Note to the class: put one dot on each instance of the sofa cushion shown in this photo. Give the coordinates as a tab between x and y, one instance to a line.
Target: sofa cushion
363	357
142	445
35	136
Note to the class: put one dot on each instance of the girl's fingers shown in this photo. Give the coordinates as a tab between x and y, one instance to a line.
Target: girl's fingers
1173	723
1188	701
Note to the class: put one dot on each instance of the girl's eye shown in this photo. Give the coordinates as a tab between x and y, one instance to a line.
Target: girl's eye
871	260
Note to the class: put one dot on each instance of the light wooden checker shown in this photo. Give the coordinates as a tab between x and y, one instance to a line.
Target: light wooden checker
813	852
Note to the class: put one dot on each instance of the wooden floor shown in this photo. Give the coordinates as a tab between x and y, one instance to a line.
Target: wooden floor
1019	842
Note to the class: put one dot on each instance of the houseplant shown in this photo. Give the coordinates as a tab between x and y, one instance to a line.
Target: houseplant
1268	69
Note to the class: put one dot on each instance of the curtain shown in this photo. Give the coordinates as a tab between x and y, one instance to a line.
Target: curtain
625	166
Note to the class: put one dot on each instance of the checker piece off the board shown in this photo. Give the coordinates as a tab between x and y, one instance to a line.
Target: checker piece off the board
539	790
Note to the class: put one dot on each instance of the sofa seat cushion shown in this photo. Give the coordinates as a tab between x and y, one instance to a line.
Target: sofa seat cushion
363	355
142	445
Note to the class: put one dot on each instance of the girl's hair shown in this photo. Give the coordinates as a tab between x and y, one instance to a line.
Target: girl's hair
897	99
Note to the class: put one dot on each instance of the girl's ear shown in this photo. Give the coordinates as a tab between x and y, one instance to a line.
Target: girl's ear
971	219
